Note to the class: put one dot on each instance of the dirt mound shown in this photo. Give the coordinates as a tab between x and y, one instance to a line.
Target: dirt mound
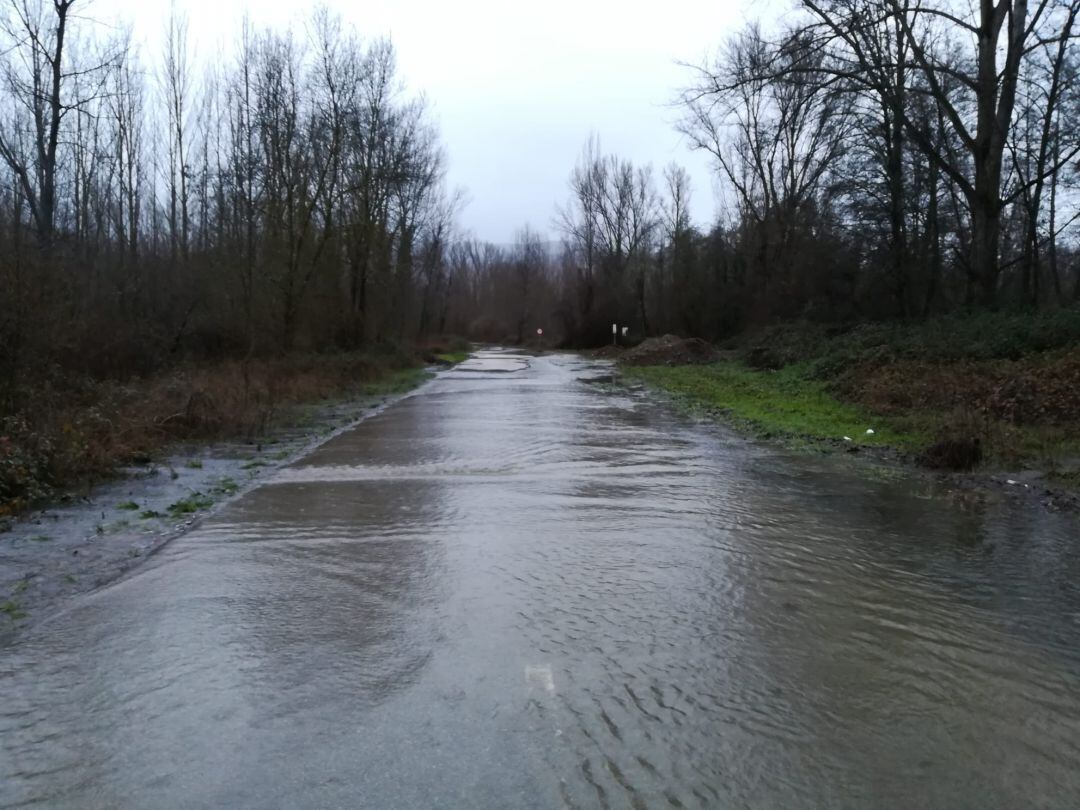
608	352
671	350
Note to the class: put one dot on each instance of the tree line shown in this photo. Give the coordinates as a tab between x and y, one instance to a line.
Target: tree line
875	159
286	195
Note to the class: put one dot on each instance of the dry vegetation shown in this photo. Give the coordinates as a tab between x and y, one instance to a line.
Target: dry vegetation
79	430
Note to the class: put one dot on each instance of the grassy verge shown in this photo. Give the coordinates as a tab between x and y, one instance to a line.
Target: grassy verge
452	358
447	350
782	404
1000	389
63	432
394	382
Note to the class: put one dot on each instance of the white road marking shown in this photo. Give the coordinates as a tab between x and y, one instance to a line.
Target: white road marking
540	675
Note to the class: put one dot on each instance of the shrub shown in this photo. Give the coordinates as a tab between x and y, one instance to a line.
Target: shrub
25	458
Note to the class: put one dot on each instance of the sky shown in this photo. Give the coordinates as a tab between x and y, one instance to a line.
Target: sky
517	88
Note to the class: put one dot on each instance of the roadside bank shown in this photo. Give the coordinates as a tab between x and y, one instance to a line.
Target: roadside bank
84	539
991	397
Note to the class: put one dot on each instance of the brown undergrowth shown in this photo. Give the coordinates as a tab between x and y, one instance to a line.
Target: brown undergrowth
62	430
1013	410
1034	390
1000	388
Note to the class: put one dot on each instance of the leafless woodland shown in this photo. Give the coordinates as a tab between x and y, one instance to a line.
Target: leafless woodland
877	159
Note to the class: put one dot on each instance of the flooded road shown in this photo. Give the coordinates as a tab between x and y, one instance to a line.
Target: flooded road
523	587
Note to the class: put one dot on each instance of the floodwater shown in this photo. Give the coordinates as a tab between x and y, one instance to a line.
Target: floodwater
524	587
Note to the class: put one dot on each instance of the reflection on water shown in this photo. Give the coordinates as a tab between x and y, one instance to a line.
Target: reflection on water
520	587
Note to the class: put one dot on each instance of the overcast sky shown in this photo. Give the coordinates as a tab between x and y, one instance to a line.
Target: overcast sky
517	88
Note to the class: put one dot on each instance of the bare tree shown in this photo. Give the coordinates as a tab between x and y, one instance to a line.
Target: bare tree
41	85
776	127
609	224
176	81
972	82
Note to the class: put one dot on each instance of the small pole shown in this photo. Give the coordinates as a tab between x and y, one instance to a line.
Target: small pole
614	334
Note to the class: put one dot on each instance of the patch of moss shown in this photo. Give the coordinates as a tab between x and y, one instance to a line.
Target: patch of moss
128	506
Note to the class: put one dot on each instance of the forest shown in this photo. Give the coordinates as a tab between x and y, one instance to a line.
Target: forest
167	223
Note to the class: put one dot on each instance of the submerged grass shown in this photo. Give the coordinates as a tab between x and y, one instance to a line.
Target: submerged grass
12	609
226	486
195	502
785	404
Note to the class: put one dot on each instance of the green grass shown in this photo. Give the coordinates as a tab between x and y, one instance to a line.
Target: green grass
40	538
452	358
11	608
396	382
194	464
190	505
150	514
785	404
226	486
128	506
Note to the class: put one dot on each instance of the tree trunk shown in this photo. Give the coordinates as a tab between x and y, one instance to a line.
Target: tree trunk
985	239
933	239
